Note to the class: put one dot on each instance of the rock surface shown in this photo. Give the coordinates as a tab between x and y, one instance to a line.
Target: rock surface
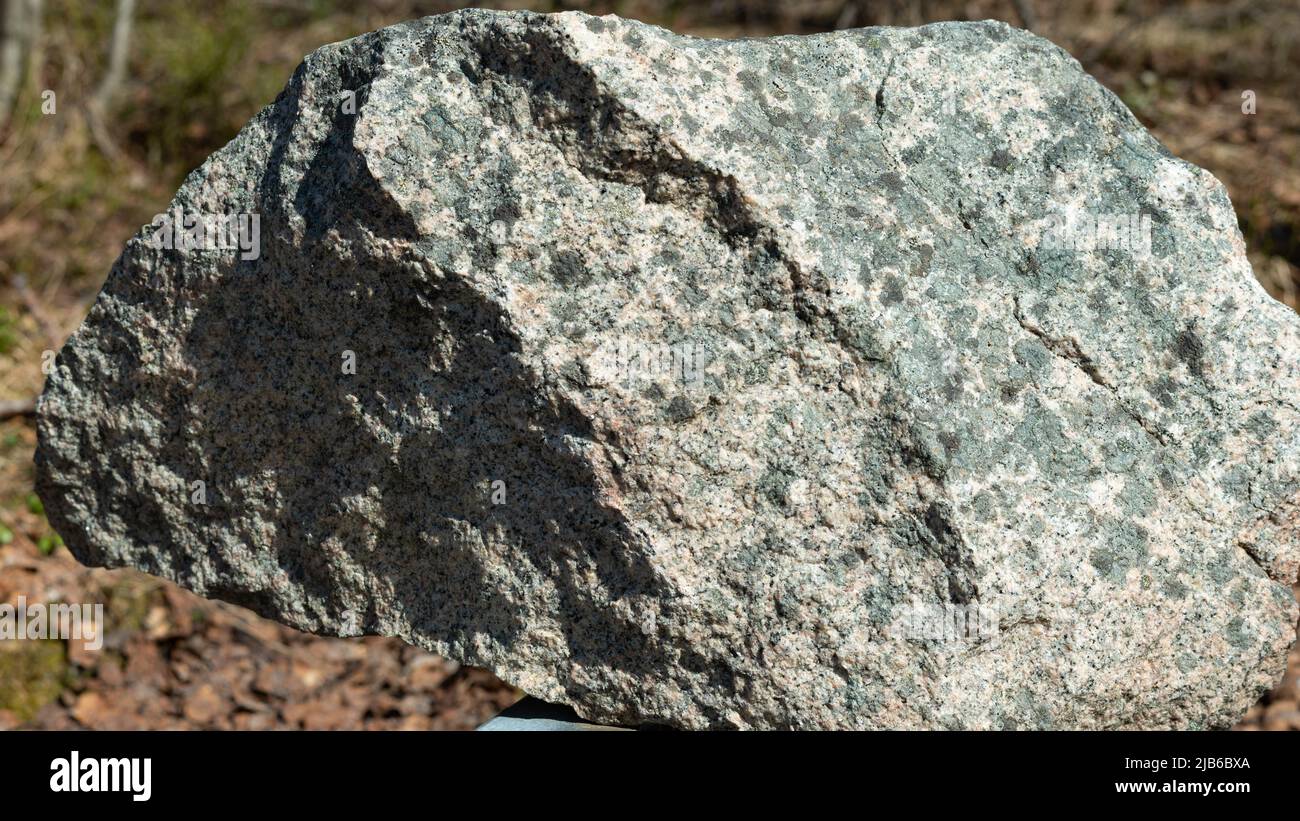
690	382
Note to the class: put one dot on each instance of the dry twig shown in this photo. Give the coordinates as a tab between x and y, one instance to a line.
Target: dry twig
9	408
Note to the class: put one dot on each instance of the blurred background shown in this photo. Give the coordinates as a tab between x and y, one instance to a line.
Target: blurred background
105	105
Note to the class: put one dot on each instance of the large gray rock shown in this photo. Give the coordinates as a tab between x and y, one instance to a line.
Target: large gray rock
694	380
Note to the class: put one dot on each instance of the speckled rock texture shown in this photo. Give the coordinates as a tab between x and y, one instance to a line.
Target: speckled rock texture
946	331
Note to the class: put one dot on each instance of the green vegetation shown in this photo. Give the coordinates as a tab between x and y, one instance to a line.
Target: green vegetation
32	674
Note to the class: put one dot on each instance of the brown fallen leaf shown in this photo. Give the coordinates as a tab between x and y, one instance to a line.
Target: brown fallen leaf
203	704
